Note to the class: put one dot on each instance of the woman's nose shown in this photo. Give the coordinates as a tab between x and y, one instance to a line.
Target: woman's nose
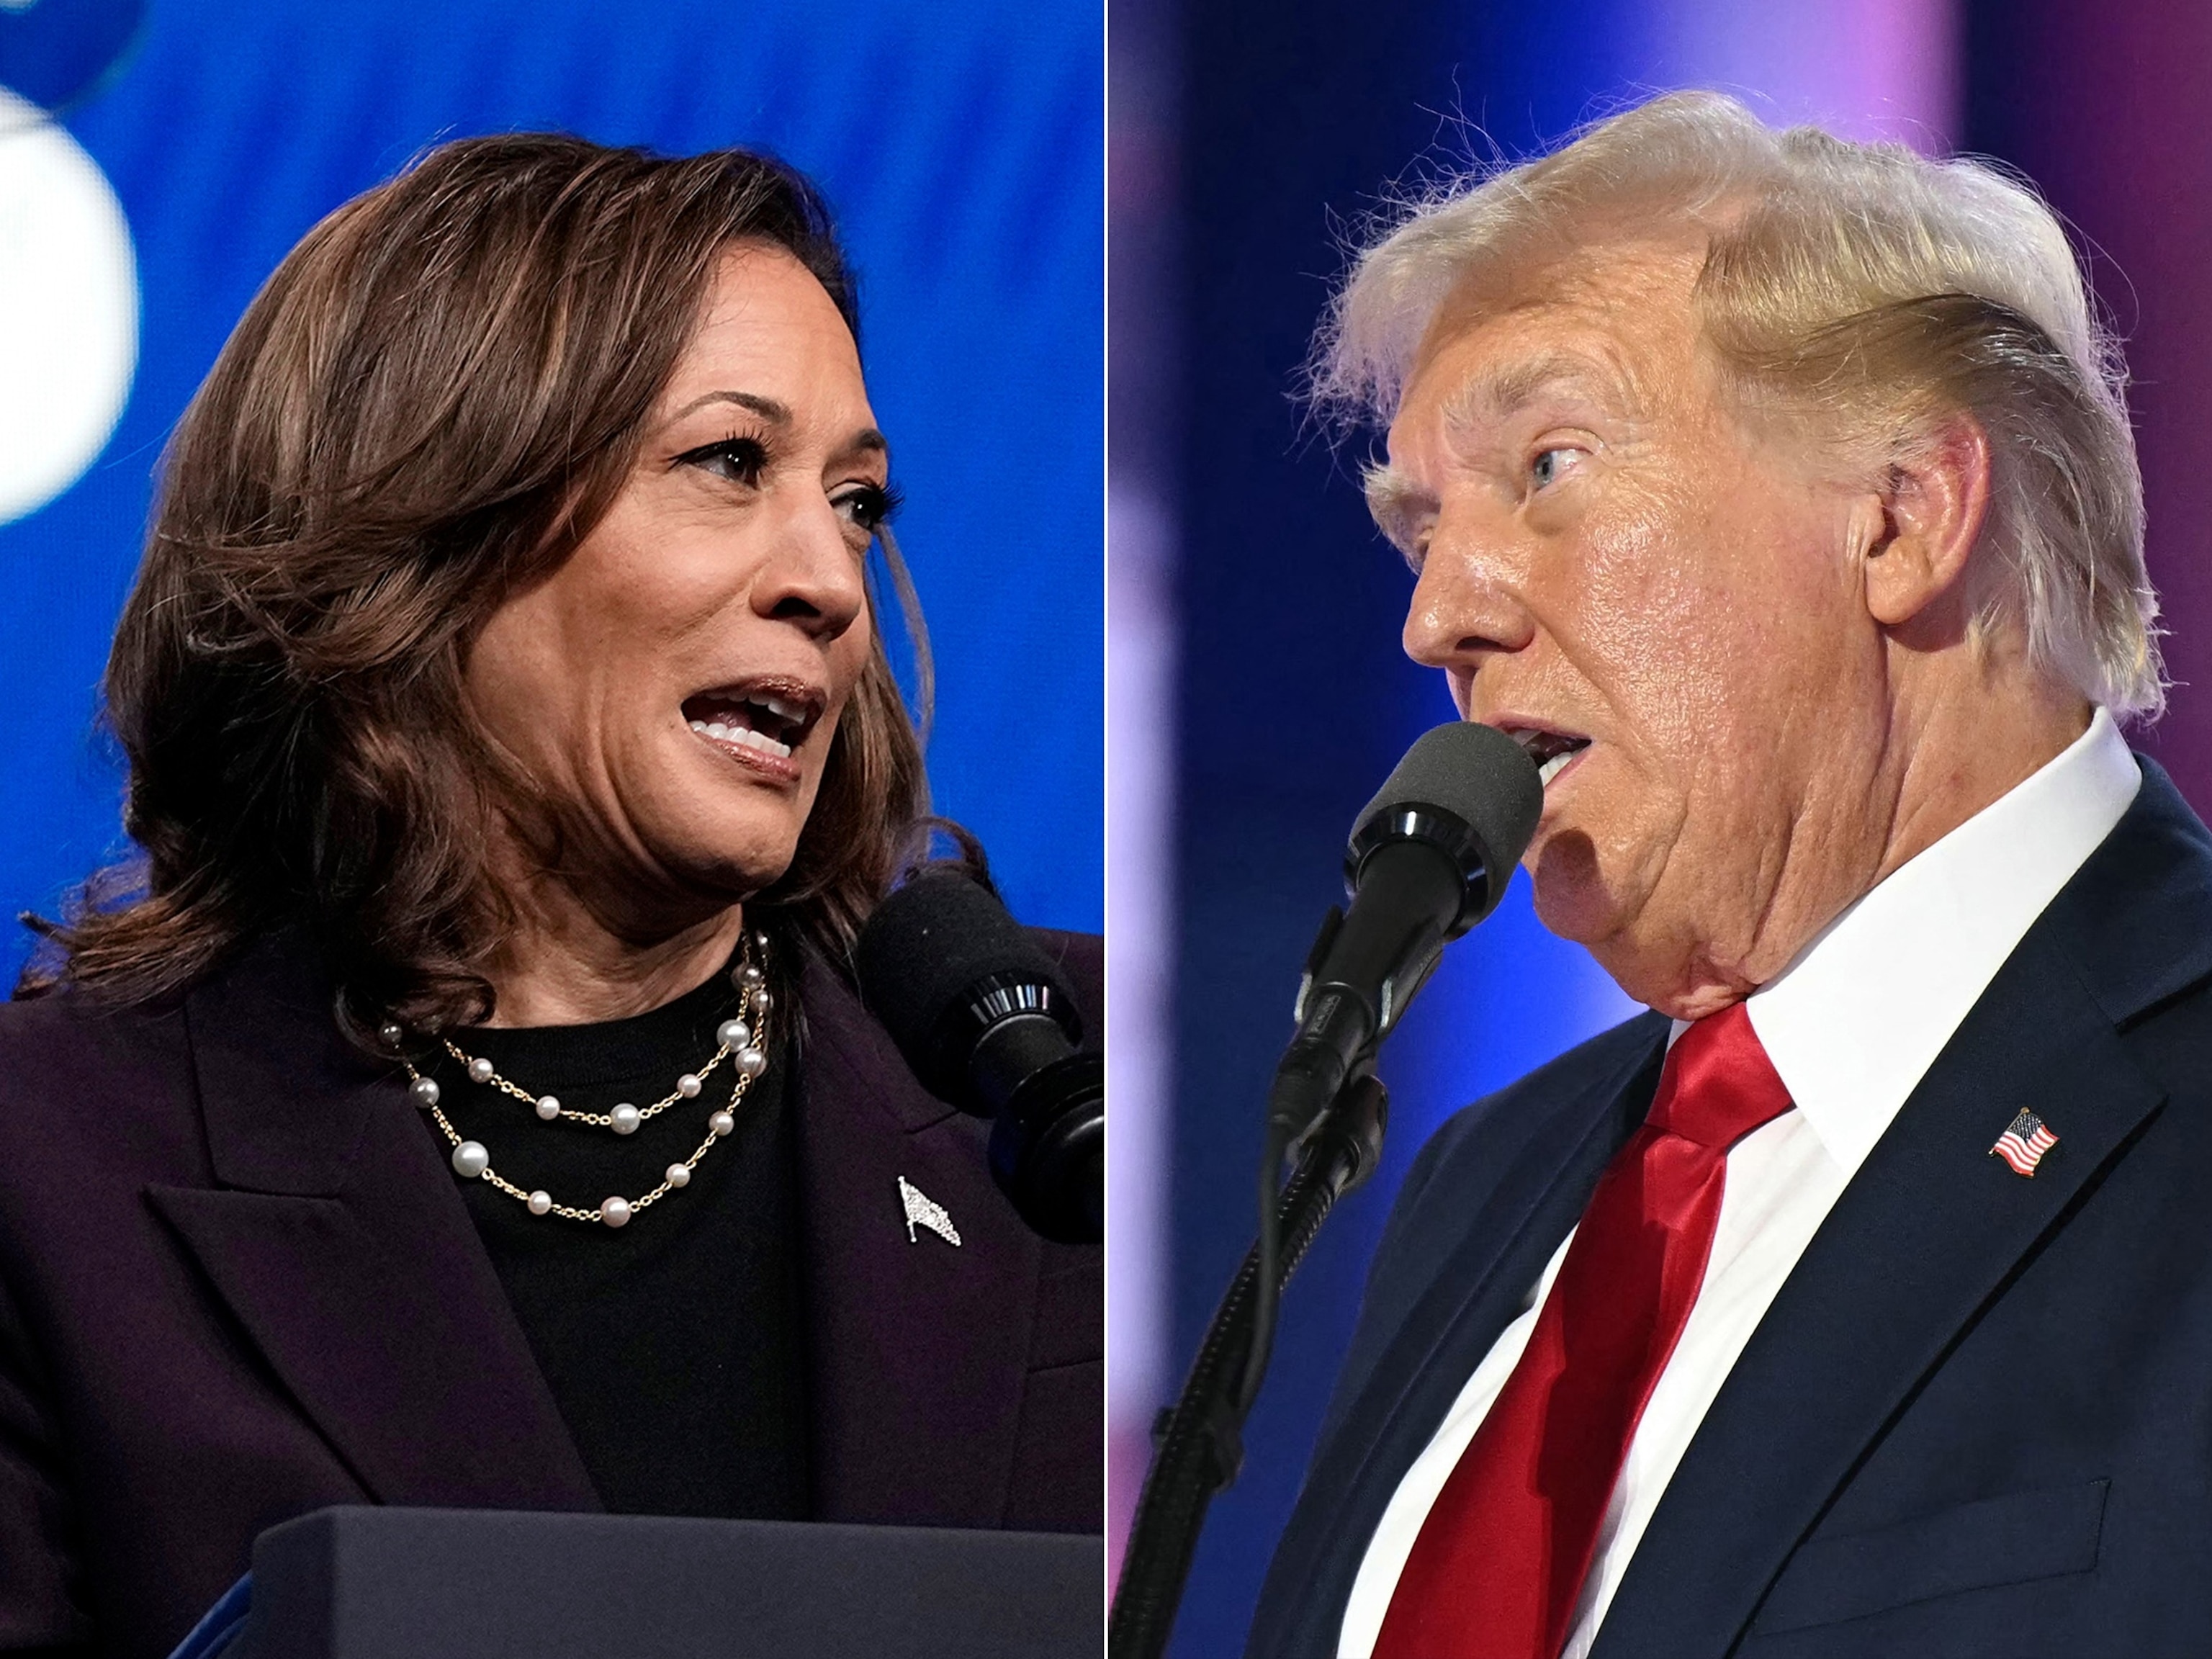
814	580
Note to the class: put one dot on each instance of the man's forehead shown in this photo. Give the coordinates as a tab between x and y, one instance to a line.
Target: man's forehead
1510	328
1600	330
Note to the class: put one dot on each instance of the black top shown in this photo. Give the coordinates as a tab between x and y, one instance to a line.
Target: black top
674	1345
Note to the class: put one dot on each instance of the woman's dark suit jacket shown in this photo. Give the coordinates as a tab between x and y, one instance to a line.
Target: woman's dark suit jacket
237	1282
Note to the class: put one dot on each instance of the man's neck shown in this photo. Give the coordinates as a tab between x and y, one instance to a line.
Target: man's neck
1940	766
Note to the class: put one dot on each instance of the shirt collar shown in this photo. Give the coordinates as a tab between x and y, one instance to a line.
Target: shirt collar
1855	1021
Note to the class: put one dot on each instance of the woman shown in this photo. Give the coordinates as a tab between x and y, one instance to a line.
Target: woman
469	1107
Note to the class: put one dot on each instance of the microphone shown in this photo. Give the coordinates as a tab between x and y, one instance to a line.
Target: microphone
987	1023
1428	858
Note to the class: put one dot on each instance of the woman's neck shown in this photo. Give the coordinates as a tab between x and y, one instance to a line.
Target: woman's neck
564	965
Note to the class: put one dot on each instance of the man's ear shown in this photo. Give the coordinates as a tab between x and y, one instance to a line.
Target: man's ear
1933	504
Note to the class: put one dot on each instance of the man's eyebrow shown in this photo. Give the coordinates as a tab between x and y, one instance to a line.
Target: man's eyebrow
1502	393
1390	491
867	441
1392	500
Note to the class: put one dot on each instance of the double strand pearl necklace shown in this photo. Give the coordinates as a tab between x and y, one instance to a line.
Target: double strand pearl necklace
742	1040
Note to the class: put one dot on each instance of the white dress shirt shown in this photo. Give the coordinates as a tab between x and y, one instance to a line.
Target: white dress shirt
1851	1026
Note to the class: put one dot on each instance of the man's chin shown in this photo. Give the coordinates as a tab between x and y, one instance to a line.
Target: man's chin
1572	898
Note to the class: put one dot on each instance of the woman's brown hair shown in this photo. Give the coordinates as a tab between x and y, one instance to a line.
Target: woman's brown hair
436	396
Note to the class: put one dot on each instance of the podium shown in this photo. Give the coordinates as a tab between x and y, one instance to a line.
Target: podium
397	1584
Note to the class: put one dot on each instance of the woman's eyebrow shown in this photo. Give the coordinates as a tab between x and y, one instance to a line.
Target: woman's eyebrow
867	441
768	409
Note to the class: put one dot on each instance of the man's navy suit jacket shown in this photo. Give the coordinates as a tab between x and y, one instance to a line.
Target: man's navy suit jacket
1977	1420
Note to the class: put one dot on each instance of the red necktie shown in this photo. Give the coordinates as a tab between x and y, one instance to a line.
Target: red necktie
1500	1563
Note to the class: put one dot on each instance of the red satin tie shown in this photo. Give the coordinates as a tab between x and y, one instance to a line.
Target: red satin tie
1500	1563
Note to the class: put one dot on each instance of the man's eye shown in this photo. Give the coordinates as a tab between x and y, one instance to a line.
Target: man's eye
868	506
741	461
1548	467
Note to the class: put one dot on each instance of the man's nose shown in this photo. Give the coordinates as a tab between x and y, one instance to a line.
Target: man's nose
1466	604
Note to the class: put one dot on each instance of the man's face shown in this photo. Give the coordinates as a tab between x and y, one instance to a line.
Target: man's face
1664	606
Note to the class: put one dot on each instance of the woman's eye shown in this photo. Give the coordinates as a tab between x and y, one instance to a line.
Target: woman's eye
867	506
1552	463
741	461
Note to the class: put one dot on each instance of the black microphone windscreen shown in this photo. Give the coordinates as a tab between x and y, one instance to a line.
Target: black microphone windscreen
1478	775
927	945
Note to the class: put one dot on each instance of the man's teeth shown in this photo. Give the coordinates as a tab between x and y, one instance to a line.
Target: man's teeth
1551	769
745	735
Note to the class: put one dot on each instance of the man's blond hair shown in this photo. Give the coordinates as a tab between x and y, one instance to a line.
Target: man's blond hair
1862	292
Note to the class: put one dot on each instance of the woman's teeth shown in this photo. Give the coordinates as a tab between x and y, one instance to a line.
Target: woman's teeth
1551	767
745	735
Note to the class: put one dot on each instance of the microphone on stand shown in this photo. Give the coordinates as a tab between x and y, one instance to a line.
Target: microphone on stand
1430	856
987	1022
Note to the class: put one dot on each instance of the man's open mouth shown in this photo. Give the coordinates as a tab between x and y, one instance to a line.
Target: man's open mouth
1550	750
770	717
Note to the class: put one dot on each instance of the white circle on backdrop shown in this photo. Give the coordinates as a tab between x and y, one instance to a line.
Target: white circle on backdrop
69	309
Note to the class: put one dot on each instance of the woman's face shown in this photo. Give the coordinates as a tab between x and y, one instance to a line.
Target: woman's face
673	687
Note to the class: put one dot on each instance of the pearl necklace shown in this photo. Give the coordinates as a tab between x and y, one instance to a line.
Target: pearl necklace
742	1040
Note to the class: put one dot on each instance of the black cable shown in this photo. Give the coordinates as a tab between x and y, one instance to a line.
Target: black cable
1200	1439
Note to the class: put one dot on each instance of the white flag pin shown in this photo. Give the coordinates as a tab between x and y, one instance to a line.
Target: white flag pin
924	1212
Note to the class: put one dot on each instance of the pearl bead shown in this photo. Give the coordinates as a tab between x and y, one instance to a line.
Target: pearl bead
548	1108
480	1070
751	1062
470	1160
391	1034
687	1086
614	1211
423	1091
721	1123
759	1001
625	1118
679	1175
750	977
733	1034
541	1203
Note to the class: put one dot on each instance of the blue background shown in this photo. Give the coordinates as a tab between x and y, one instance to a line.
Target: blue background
962	146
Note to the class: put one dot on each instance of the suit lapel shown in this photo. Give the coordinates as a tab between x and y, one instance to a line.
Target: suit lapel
1477	1289
339	1239
1928	1232
919	1348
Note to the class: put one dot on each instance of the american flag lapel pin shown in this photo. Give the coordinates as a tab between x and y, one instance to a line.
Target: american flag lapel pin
2023	1143
925	1212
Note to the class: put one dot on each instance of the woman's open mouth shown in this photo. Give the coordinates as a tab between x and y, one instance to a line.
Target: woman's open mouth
759	722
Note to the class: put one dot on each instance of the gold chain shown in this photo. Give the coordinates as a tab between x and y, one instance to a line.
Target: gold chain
470	1159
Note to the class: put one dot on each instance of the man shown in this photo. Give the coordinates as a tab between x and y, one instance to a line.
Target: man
1778	493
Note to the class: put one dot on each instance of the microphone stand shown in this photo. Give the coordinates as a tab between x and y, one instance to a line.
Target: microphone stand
1199	1441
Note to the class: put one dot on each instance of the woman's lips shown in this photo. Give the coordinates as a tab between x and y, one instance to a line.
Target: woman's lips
760	724
741	745
744	736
